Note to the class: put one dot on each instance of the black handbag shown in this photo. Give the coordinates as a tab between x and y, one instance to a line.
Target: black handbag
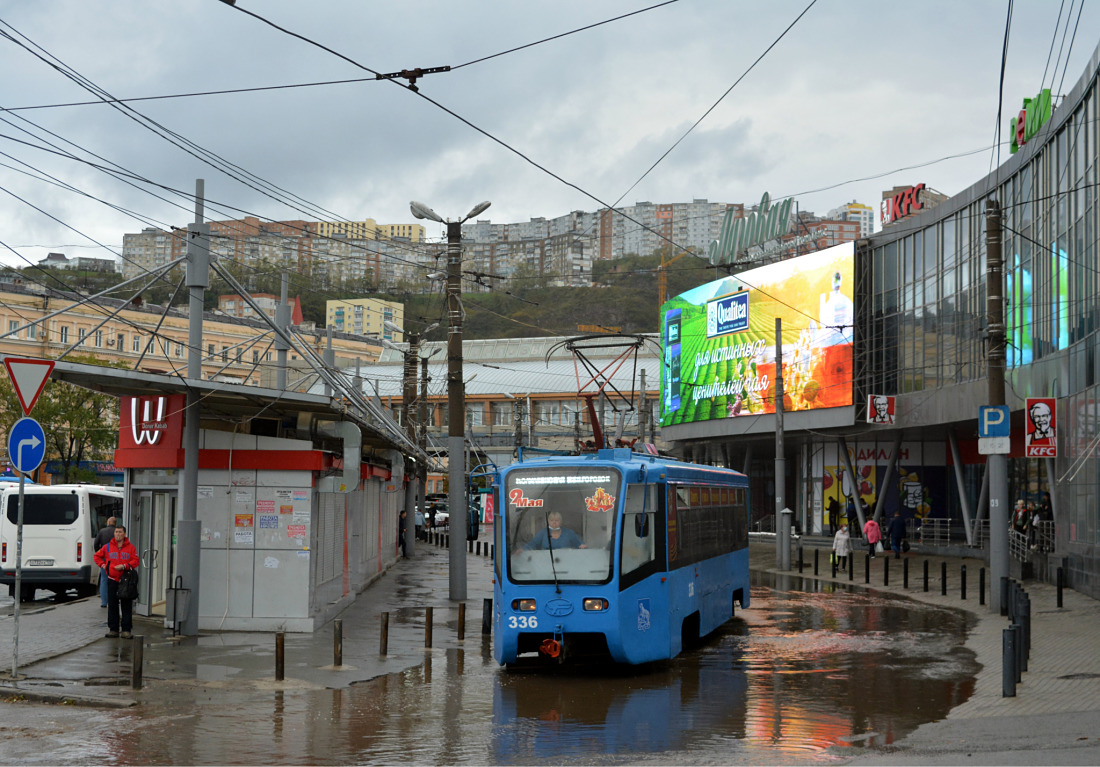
128	585
904	544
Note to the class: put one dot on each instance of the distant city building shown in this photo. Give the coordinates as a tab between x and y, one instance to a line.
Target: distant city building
234	305
366	317
855	211
55	261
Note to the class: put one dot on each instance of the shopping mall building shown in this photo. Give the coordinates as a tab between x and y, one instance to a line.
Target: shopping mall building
915	297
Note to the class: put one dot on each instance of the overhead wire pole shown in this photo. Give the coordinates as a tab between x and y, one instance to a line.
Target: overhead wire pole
996	464
187	526
456	398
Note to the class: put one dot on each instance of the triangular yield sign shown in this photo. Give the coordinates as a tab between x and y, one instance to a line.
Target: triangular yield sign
29	378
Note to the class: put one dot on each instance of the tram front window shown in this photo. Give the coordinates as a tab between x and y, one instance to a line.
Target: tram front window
561	523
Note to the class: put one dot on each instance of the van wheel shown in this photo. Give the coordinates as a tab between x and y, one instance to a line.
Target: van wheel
26	592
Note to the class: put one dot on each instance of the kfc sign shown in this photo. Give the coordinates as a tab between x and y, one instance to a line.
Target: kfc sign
1042	423
901	204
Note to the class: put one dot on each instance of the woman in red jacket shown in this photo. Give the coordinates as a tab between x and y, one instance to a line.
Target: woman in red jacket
872	533
116	557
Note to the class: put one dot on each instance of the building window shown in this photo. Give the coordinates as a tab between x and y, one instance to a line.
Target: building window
255	356
13	326
120	341
179	348
475	414
502	413
99	339
32	332
64	334
210	351
225	353
137	344
80	334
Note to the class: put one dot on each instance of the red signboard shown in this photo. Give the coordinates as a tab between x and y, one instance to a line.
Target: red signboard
1042	422
150	433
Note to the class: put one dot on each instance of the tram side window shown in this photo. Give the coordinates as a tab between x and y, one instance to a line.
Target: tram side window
710	521
643	535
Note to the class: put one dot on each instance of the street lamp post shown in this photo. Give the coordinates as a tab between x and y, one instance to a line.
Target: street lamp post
456	397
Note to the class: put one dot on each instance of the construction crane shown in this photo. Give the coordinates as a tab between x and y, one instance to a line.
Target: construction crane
662	277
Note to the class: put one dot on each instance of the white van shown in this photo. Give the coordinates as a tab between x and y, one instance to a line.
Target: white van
60	523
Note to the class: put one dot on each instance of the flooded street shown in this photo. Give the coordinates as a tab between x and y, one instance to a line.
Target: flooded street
802	677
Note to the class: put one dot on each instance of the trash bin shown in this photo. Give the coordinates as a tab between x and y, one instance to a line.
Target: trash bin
177	604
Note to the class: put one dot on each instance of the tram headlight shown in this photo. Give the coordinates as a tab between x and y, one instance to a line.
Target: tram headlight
595	605
523	605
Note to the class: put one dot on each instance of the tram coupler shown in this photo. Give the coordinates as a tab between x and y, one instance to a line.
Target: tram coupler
554	647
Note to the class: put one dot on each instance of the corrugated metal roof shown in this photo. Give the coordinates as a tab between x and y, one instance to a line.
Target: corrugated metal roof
514	366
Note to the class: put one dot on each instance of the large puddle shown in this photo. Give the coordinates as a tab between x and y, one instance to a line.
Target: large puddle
802	677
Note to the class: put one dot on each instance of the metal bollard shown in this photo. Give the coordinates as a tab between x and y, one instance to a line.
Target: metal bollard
486	616
1025	620
1004	596
1008	663
1061	582
852	566
981	586
280	652
816	553
338	642
866	568
800	558
926	576
943	579
1019	644
138	651
962	582
905	573
469	547
461	620
384	638
428	611
886	571
832	563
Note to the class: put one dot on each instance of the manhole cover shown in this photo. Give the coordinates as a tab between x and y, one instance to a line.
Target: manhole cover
1080	676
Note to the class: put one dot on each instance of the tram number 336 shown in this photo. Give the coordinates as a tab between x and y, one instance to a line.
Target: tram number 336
523	622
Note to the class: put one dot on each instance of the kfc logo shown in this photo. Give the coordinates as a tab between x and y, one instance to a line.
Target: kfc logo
1042	422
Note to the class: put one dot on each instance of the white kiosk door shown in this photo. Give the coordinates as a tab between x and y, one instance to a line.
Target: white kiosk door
153	533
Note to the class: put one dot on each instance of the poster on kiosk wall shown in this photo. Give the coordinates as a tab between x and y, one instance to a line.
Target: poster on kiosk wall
718	340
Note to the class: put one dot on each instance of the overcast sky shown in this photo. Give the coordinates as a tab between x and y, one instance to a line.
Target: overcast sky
855	89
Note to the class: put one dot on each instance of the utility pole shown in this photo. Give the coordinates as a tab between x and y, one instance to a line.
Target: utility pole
782	518
422	423
643	410
188	540
456	398
996	465
282	321
408	394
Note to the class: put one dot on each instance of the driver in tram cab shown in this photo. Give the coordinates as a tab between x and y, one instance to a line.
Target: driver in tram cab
554	536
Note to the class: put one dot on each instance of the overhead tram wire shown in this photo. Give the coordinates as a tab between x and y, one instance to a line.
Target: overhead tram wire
484	133
323	83
1065	67
716	103
203	155
1053	37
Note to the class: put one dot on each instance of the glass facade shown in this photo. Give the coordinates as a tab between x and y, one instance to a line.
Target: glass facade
921	328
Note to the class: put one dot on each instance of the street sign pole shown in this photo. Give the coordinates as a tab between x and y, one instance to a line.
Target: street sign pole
26	449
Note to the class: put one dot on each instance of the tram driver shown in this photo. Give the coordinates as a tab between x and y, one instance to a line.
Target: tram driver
554	535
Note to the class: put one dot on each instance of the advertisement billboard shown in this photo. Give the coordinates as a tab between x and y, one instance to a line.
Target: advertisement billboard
719	340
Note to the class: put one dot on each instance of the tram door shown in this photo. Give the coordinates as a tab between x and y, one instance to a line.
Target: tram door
152	531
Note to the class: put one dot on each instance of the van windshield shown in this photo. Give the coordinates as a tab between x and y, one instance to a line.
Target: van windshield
561	523
45	509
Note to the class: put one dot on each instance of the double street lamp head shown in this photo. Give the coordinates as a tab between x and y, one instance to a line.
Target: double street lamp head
420	210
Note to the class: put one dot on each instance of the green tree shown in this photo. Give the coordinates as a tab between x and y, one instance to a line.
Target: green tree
80	425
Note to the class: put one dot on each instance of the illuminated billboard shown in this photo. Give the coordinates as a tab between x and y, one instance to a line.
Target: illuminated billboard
718	340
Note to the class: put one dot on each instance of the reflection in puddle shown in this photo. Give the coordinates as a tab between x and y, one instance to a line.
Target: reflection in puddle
803	677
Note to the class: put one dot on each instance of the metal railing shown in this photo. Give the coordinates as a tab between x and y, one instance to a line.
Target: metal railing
934	532
1018	547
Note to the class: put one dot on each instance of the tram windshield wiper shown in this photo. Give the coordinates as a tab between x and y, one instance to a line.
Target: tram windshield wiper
550	547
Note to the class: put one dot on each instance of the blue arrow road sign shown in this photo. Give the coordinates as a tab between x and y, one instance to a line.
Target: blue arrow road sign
26	445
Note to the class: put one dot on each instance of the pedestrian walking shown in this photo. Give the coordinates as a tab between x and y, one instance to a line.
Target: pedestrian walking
102	538
842	547
418	522
1020	518
872	533
896	531
402	531
118	556
834	515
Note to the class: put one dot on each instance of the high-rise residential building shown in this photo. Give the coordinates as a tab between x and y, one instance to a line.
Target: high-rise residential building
366	317
855	211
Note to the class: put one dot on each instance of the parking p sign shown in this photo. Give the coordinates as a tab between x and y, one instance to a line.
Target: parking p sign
994	430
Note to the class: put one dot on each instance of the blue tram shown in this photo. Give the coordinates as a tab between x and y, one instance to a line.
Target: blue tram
615	554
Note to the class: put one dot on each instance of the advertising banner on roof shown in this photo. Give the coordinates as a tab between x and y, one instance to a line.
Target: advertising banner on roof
718	340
